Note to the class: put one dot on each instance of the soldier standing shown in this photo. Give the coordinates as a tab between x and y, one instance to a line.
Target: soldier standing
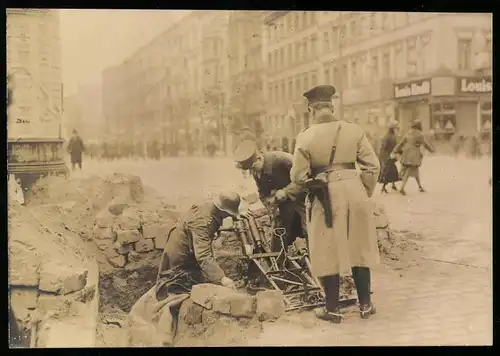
341	227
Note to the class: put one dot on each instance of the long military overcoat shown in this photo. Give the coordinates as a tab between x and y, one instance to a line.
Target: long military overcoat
352	241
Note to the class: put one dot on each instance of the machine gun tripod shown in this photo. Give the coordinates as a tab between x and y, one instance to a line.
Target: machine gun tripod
287	270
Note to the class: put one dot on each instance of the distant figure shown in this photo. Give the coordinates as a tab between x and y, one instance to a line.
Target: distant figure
76	149
474	147
411	154
389	171
211	148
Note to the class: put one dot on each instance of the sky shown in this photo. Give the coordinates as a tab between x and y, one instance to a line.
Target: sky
95	39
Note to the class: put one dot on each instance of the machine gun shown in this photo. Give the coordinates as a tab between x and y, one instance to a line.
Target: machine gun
288	270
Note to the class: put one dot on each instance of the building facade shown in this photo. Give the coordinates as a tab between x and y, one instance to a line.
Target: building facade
33	56
83	112
386	66
247	103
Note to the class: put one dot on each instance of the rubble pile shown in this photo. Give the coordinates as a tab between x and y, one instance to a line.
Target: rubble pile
53	283
211	315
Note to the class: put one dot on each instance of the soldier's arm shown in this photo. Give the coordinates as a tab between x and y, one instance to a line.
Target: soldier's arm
284	164
369	164
301	168
202	245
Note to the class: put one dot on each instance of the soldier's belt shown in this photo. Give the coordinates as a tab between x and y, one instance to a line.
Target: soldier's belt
341	175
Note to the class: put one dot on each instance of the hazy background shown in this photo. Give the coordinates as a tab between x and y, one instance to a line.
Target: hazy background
95	39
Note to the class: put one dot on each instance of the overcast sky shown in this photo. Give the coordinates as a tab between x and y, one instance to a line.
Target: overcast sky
95	39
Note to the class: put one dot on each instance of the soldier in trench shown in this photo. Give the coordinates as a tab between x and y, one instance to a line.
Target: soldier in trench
271	172
187	257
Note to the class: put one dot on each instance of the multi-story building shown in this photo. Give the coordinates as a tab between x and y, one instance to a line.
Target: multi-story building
83	112
34	67
247	103
173	89
386	66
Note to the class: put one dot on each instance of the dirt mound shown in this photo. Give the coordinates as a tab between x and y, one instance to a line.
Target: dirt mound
397	245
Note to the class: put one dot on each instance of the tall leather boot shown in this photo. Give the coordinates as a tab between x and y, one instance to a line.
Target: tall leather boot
330	312
362	279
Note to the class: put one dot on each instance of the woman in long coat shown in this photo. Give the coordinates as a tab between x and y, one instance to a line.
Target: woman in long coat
411	154
388	171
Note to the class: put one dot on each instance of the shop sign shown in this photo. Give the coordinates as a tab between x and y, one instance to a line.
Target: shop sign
416	88
475	85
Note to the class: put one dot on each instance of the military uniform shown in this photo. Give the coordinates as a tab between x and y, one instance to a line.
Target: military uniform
275	175
187	257
351	241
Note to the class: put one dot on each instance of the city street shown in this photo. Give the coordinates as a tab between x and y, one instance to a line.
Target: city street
444	298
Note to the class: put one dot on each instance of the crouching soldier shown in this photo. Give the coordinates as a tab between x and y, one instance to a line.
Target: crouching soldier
187	257
271	172
187	260
342	232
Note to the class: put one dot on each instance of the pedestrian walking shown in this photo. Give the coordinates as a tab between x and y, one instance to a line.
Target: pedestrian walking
410	148
388	171
271	173
76	149
341	227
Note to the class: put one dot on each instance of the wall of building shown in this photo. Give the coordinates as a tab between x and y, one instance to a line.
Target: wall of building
34	65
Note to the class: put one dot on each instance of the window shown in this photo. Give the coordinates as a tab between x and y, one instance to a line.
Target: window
399	61
343	33
386	65
411	57
327	76
443	120
424	54
374	68
345	76
486	120
326	42
354	74
305	50
289	55
314	79
276	93
297	51
306	82
384	21
298	86
335	74
290	89
282	58
335	38
464	54
314	40
283	91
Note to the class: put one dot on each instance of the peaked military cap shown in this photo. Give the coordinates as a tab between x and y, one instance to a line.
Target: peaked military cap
245	153
320	93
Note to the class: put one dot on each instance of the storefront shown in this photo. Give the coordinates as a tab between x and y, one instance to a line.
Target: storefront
412	100
475	94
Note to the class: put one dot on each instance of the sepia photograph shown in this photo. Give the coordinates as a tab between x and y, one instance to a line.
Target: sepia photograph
182	178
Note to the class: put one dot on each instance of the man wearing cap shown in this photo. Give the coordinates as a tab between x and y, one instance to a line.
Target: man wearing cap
271	172
341	226
187	256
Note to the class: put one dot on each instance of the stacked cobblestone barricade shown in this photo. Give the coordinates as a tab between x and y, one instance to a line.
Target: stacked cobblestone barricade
124	237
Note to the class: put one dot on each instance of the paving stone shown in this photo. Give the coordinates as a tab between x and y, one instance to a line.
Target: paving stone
129	220
144	245
151	230
62	279
24	265
104	219
124	249
118	261
270	305
102	233
161	238
128	236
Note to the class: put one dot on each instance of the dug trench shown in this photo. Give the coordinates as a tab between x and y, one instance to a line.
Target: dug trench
124	225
